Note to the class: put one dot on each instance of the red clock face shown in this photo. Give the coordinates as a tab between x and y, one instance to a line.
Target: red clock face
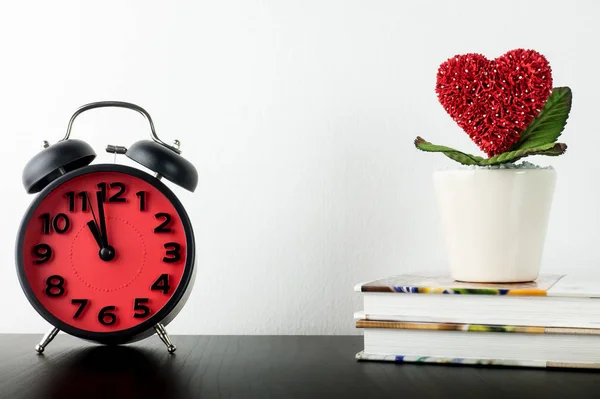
104	251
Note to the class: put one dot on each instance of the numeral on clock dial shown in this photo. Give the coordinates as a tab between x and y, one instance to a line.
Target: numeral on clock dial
142	196
173	253
162	228
82	304
84	200
161	284
55	286
138	306
106	317
60	223
43	252
116	197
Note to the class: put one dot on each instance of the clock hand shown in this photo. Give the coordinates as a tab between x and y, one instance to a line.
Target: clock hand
93	224
107	252
95	221
95	232
102	218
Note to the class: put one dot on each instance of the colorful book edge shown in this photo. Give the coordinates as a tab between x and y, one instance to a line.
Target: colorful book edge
496	328
445	284
363	356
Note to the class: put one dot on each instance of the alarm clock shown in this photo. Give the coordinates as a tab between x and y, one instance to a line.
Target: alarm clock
106	252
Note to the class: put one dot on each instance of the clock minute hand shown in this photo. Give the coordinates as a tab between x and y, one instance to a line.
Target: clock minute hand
107	253
102	219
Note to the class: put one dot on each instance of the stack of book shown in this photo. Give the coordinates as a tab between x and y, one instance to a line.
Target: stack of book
552	322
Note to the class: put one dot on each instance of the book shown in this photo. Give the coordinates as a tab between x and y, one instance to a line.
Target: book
553	300
428	283
363	356
469	344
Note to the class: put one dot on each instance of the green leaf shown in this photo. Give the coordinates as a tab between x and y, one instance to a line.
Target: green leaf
549	149
458	156
551	121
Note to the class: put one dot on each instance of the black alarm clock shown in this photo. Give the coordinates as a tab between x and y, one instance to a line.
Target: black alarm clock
106	252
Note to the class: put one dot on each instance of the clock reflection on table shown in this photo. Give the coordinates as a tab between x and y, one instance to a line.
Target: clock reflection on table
111	372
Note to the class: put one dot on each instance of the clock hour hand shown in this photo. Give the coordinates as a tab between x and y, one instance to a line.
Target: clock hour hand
95	232
93	224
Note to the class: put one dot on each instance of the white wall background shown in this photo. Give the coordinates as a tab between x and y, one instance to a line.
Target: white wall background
299	116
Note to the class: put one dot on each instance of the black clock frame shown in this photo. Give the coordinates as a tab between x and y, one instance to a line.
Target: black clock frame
146	328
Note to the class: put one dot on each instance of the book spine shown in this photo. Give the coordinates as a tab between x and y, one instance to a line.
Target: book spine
589	326
446	285
362	356
400	325
454	290
452	327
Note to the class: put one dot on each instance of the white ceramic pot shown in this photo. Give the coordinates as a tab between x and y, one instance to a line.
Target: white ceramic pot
495	221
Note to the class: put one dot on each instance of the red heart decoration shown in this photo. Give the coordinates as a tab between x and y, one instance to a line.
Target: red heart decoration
494	100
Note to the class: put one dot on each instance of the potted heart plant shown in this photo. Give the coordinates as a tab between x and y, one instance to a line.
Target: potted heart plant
494	210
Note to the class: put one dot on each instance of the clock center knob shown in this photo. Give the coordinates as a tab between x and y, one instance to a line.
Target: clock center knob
107	254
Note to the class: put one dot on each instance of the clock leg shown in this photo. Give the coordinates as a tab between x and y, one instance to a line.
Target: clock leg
39	348
164	336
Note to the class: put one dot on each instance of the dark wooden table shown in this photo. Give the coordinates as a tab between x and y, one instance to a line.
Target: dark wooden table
257	367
